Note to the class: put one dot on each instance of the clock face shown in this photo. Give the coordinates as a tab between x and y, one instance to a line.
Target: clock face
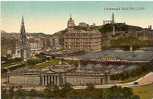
62	68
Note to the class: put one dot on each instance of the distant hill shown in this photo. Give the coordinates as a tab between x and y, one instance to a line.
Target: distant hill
39	34
118	27
106	28
13	34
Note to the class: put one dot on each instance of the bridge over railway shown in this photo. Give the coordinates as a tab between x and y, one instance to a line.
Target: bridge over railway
105	62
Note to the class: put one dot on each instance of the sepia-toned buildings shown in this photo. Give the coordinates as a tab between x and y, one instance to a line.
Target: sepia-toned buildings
45	78
79	39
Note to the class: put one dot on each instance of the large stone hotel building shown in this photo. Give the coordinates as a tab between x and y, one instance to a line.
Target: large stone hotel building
78	39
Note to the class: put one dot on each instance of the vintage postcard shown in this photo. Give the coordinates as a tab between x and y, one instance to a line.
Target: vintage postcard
76	50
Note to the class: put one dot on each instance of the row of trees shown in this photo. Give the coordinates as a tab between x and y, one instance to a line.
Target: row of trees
14	63
130	43
67	92
7	60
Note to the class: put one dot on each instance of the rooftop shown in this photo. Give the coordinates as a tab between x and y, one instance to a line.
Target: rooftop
138	55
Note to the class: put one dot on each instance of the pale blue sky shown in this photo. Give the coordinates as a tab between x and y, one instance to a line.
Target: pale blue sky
50	17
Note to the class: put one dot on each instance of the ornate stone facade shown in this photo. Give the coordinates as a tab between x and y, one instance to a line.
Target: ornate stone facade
82	40
78	39
50	78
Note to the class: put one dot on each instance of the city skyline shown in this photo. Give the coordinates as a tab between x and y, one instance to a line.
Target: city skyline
51	17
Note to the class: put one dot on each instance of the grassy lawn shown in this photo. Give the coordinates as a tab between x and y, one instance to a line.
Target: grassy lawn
145	92
46	64
133	78
9	64
12	65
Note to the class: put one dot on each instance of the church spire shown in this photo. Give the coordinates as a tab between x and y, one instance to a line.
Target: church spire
22	26
25	49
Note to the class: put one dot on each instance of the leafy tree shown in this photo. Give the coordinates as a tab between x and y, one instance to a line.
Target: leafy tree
127	91
130	42
117	92
90	87
33	61
135	97
33	92
52	90
20	92
66	89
